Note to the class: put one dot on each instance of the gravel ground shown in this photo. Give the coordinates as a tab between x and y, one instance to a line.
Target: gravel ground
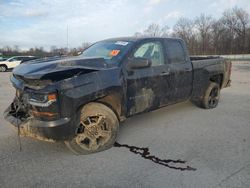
216	143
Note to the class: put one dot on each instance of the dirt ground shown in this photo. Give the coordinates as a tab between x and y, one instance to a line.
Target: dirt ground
214	143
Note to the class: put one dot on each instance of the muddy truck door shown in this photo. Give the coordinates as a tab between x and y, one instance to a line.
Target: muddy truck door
181	70
146	74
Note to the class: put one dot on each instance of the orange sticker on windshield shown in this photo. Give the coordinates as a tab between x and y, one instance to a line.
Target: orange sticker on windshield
114	53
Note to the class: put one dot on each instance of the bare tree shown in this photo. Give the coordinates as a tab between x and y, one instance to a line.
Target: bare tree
165	31
85	45
53	50
154	30
138	34
218	36
204	25
229	20
247	40
184	28
241	26
16	48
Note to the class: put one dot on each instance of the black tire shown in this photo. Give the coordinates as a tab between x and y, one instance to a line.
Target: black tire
211	97
3	68
91	133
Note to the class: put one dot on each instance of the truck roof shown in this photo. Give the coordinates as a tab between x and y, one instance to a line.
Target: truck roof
136	39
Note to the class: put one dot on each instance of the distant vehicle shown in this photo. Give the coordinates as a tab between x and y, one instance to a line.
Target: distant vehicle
13	62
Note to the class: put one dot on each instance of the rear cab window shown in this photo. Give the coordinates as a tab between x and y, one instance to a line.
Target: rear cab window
175	52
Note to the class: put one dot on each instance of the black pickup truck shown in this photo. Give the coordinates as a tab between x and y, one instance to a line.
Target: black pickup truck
82	100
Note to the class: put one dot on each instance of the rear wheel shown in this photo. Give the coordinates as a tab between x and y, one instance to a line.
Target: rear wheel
211	97
3	68
97	130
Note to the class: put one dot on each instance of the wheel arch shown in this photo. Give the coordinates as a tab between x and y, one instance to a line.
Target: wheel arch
218	78
114	102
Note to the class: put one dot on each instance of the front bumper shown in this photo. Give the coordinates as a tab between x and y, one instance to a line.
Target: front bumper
57	130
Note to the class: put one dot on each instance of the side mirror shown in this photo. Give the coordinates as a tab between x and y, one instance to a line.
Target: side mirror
139	62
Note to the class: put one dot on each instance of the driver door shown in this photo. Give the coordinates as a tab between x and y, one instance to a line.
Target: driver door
144	92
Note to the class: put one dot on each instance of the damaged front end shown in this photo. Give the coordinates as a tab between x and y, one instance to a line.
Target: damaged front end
35	111
47	96
37	117
22	122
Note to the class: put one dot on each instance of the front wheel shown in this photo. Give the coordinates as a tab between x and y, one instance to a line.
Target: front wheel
3	68
97	130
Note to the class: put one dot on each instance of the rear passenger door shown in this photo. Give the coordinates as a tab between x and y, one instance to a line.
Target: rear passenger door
180	68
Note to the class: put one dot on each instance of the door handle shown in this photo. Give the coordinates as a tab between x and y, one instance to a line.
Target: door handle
165	73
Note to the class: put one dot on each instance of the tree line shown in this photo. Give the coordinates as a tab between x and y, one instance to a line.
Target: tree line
204	35
8	51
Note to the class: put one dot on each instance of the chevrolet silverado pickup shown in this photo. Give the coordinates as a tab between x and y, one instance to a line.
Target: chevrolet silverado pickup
82	100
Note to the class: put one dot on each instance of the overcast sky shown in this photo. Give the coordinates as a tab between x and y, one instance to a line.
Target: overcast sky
30	23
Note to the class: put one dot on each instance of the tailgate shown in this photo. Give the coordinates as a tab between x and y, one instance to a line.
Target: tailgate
227	75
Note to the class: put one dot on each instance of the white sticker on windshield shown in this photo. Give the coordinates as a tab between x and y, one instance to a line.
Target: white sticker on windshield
123	43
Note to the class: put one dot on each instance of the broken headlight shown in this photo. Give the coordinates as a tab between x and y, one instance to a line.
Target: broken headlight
42	100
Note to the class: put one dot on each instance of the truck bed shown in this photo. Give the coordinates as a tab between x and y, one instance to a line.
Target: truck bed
201	62
204	67
195	58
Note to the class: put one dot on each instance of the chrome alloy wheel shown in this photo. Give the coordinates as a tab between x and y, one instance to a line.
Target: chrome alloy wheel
93	132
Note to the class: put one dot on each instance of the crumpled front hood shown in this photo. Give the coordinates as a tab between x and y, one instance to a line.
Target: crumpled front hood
58	69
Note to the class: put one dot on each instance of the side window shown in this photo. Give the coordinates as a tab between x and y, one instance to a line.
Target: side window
13	59
152	51
25	58
20	58
175	52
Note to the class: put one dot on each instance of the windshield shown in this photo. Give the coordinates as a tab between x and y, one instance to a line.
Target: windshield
111	51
